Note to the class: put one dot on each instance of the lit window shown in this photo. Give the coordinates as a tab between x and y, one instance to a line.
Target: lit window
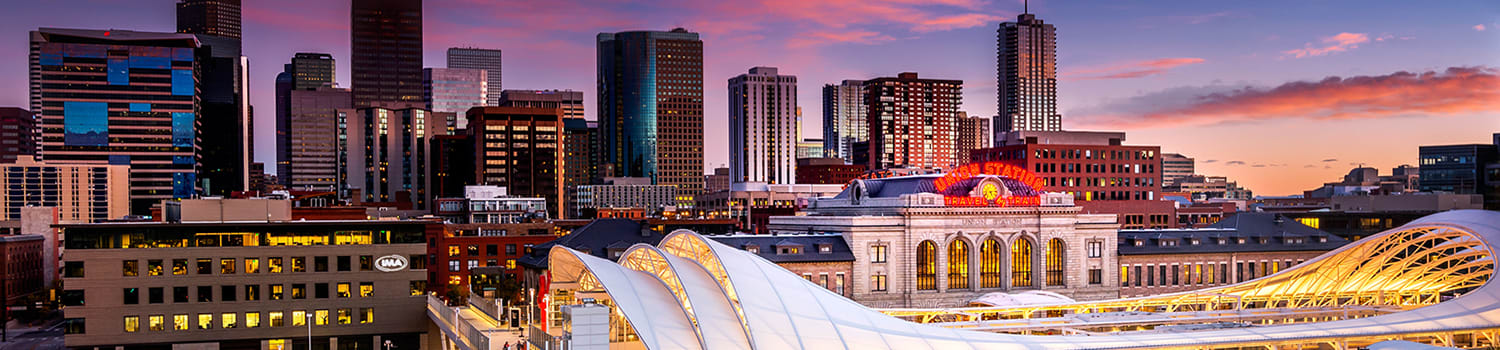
132	324
299	318
366	289
367	315
226	266
252	265
180	322
158	323
228	320
343	290
252	319
345	316
274	264
205	321
320	317
276	318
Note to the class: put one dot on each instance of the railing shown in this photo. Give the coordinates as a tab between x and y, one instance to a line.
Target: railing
487	306
477	339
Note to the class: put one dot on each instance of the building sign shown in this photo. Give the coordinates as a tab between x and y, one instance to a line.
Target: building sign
391	263
990	192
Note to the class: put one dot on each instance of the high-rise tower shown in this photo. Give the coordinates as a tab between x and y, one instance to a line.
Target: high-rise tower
386	53
1026	68
225	113
475	58
844	117
651	107
763	125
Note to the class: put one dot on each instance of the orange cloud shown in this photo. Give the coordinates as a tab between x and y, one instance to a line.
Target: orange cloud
1457	90
1135	69
1479	27
1337	43
832	37
968	20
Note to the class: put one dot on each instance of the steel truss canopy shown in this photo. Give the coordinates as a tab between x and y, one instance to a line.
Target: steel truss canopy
693	293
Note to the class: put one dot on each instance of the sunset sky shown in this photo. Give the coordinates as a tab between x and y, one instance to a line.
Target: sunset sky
1278	95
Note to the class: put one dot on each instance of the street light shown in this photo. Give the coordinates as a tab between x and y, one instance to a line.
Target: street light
309	330
389	345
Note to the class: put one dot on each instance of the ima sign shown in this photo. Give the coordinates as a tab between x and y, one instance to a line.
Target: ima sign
391	263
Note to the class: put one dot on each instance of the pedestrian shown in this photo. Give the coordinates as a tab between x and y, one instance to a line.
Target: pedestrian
507	345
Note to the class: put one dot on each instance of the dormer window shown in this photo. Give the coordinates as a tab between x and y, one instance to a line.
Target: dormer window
1222	241
1322	239
825	249
1139	243
753	249
1194	241
1239	241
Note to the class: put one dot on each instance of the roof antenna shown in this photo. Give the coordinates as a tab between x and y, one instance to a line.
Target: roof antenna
1025	6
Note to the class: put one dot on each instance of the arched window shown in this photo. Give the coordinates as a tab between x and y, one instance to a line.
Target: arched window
1020	263
1055	262
989	264
958	264
927	266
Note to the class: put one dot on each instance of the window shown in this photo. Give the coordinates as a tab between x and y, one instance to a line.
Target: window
252	292
510	249
989	264
73	269
274	264
473	264
228	320
299	291
320	264
252	265
877	283
130	268
227	293
1055	262
452	250
823	281
179	266
1124	276
73	326
205	266
226	266
1096	249
418	262
418	287
838	283
367	315
179	294
180	322
320	290
252	319
276	292
342	290
205	294
491	262
366	263
205	321
299	318
877	254
473	250
156	295
453	265
299	264
1020	263
276	318
132	324
132	296
1137	277
320	317
927	265
366	289
344	264
345	316
958	264
491	249
1096	276
153	268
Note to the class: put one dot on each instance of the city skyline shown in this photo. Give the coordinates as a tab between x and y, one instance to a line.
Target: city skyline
1216	84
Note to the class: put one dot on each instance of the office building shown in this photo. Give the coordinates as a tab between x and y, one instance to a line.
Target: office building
717	181
453	90
491	205
86	122
17	133
763	126
1026	75
309	70
1201	188
451	164
570	101
1455	168
520	148
988	241
752	204
385	153
385	53
476	58
624	193
1239	248
827	171
308	143
259	180
458	254
911	121
1176	166
973	134
844	117
811	148
351	284
80	192
223	89
580	160
21	259
651	107
1087	165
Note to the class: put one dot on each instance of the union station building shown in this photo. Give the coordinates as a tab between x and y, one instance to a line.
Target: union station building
945	240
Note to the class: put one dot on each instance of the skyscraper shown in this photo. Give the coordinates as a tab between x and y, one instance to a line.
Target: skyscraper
385	154
309	70
520	148
973	133
17	134
763	124
651	107
223	79
307	123
453	90
911	121
1026	68
476	58
580	160
844	118
87	118
386	53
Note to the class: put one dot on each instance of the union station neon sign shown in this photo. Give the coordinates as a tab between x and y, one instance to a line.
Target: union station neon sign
990	193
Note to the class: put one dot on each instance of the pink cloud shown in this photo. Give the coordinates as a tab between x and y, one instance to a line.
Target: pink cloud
1457	90
1337	43
1479	27
853	37
1135	69
968	20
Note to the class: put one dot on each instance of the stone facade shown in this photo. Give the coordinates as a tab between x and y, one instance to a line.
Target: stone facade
833	270
903	224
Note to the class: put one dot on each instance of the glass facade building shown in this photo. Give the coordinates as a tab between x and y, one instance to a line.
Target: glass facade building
1455	168
122	98
651	107
454	90
476	58
386	53
844	118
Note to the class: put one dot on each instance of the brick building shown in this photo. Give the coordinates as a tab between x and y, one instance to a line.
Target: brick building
911	121
1101	173
827	171
823	259
459	248
21	267
1238	248
17	133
